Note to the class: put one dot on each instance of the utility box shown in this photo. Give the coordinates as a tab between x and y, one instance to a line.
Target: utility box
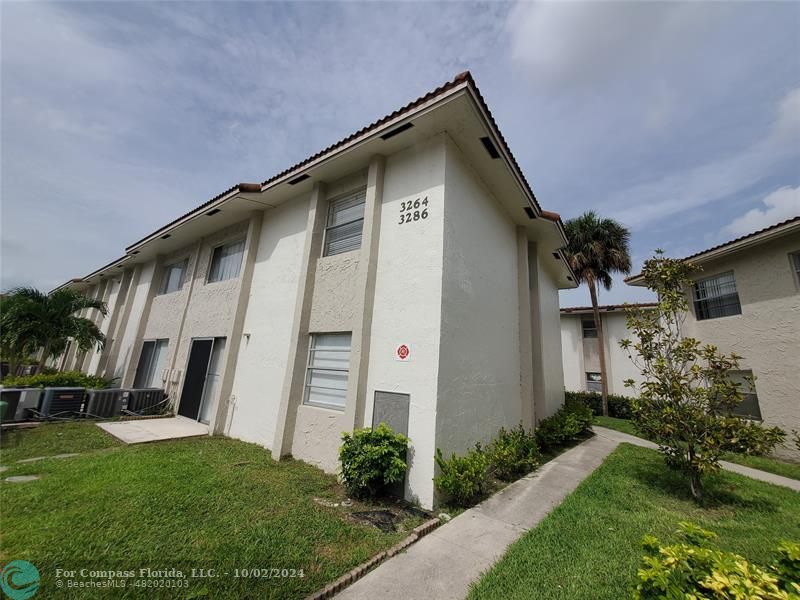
62	402
104	403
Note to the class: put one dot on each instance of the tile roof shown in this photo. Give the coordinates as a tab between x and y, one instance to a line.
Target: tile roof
730	242
465	77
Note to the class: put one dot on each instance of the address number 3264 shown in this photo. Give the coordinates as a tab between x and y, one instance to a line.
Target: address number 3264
413	210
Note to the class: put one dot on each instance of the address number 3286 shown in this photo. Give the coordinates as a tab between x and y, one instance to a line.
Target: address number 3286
413	210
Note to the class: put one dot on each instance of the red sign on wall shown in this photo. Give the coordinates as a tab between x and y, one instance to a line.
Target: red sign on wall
402	352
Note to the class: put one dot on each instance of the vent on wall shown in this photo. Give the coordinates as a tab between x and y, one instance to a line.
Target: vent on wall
397	131
489	146
529	211
211	213
298	179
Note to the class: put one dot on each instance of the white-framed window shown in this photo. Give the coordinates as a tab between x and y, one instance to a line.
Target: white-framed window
589	328
716	297
795	258
747	386
328	370
173	277
345	224
594	382
151	364
226	261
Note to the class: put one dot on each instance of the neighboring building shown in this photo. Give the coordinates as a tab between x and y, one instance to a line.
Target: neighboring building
746	299
405	273
581	353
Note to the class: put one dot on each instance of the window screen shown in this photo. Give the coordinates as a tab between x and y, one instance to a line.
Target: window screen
345	223
749	406
151	364
173	277
795	256
716	297
594	382
226	262
589	329
328	369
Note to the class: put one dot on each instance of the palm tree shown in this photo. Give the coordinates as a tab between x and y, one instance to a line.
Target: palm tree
597	249
32	320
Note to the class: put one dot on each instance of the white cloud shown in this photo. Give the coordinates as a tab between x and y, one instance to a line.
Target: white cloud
683	190
780	205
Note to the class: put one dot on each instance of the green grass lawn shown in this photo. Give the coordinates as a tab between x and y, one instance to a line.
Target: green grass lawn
590	545
203	503
764	463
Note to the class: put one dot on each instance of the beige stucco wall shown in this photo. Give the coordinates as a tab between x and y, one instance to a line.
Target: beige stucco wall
408	303
263	355
479	365
767	333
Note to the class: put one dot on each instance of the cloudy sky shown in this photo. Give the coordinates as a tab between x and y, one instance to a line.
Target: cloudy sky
680	120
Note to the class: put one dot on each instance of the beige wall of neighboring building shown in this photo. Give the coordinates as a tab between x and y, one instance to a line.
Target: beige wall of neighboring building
767	332
582	355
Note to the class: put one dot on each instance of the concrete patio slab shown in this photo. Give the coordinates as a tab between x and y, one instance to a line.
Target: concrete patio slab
154	430
444	563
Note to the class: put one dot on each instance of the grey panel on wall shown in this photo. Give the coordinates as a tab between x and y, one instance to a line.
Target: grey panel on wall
391	408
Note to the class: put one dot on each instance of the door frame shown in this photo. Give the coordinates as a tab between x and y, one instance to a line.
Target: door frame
186	372
205	381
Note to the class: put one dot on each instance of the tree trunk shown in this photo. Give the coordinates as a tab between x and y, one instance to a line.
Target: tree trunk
696	485
601	346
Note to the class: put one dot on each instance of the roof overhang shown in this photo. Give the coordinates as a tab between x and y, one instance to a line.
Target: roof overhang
457	109
738	245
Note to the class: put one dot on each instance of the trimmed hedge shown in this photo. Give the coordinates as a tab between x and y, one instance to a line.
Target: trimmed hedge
618	406
65	379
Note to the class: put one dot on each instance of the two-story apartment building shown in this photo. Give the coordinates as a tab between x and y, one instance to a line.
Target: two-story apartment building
405	274
580	351
746	299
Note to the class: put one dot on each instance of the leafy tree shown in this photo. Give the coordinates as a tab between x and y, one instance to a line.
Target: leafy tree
32	320
597	249
687	397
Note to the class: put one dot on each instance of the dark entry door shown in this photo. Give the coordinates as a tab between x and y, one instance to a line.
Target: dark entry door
195	379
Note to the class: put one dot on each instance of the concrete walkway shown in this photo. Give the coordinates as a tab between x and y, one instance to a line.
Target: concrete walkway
444	563
154	430
619	437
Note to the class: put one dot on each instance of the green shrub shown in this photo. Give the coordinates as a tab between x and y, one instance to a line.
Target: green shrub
619	407
571	420
694	568
372	459
463	479
513	453
65	379
748	437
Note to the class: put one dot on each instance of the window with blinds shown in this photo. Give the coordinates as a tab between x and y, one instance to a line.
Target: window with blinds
173	277
594	382
795	258
589	329
226	262
328	370
716	297
345	223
